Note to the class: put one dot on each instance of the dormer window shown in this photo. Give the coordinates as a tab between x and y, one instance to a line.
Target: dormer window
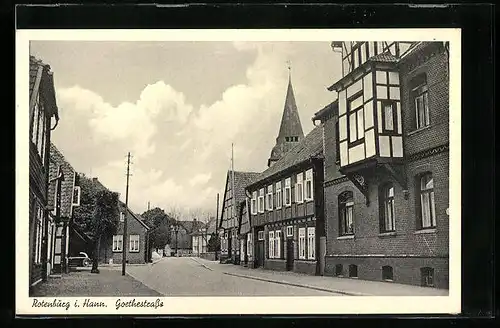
122	217
76	196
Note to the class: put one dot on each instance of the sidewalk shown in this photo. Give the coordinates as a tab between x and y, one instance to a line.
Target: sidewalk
108	282
346	286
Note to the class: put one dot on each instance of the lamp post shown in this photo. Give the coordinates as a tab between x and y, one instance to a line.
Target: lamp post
175	227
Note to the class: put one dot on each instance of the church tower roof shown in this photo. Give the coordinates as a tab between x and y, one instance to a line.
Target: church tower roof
290	133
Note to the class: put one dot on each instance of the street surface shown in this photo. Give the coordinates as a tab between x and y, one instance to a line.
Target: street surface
183	276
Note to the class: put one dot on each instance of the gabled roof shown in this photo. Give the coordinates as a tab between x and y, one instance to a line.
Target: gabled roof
57	165
191	226
41	82
330	109
241	180
98	184
311	146
290	126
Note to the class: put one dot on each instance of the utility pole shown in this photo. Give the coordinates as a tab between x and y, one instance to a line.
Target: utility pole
124	245
148	206
233	240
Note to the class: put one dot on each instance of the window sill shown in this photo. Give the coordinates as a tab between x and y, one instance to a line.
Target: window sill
345	237
423	231
353	277
388	280
117	251
387	234
418	130
133	251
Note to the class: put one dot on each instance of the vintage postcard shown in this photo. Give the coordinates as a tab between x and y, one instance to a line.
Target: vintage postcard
208	172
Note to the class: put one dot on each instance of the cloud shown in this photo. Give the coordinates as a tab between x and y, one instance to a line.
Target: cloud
181	153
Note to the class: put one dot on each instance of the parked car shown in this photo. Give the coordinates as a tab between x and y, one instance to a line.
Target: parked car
80	261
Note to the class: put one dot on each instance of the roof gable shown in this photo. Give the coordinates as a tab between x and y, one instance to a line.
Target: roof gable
59	165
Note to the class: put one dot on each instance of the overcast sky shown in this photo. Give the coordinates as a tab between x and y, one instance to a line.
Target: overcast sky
177	107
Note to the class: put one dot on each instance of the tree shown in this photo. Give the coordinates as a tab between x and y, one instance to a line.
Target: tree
159	222
98	214
213	243
105	221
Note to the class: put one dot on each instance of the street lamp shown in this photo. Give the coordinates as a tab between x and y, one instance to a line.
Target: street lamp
175	227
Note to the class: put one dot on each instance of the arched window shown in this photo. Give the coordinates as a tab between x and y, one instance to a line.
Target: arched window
387	273
346	213
427	211
419	96
387	220
339	270
427	275
353	271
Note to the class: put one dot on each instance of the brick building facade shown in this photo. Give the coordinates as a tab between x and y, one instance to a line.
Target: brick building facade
386	144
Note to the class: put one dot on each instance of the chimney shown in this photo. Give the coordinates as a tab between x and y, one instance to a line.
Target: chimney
94	180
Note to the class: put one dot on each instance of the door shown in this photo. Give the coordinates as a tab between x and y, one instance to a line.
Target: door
289	254
259	254
229	247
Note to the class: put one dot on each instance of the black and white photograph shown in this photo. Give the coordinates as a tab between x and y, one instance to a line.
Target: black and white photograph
238	167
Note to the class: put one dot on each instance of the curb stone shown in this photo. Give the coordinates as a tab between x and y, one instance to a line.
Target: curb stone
286	282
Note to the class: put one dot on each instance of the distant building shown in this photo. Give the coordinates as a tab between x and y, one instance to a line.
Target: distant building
201	236
386	151
42	108
182	239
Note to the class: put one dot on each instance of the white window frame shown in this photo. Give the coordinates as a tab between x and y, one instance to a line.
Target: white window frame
77	192
302	243
38	233
118	247
277	243
309	181
253	204
288	192
299	189
289	231
311	243
261	200
271	244
279	195
122	217
134	243
260	235
269	196
249	244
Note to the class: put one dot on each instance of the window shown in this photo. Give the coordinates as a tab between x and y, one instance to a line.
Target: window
279	195
387	220
288	192
311	243
249	244
427	207
76	196
427	275
353	271
117	243
122	217
38	233
277	244
38	127
289	231
389	116
302	243
269	198
339	270
356	129
260	235
271	244
253	203
309	184
346	213
387	273
134	243
419	94
299	196
261	200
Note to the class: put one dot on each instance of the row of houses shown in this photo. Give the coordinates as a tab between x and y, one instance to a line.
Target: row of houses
365	194
55	193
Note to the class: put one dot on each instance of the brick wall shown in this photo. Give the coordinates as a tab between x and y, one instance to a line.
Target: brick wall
134	228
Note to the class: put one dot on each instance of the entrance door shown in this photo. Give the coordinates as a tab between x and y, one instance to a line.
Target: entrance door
259	254
229	247
289	254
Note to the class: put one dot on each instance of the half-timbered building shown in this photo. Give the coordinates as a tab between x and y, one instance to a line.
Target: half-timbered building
387	163
42	110
230	219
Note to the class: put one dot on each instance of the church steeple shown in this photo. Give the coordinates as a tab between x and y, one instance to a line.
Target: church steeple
290	132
